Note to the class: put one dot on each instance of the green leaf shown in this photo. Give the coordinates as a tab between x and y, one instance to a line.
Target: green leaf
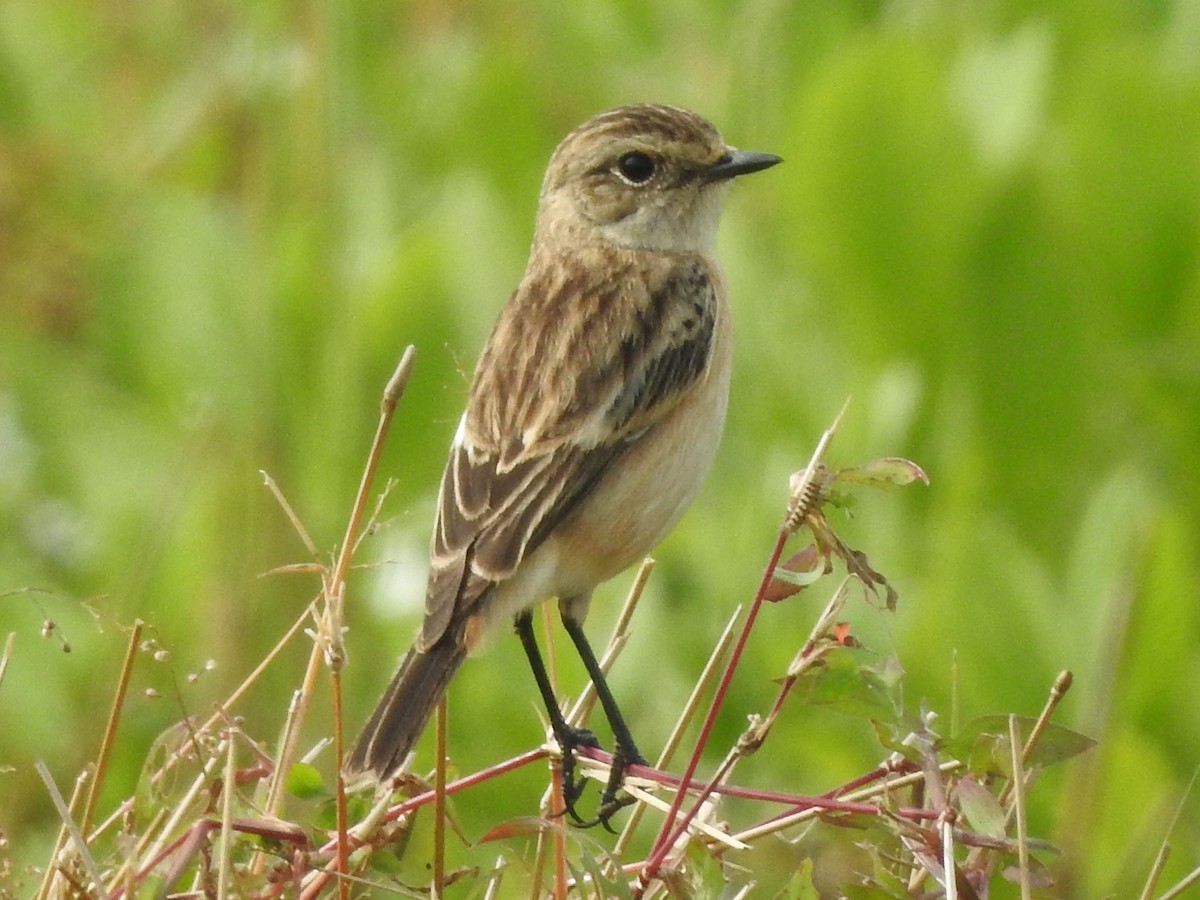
800	886
891	739
987	738
870	891
847	686
888	472
304	782
982	810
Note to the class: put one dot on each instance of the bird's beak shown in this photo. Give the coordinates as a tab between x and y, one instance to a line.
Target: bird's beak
739	162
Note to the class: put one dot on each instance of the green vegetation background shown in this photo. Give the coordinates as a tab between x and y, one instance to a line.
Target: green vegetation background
220	223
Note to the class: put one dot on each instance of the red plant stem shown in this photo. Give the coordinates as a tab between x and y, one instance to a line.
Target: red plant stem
800	802
269	828
666	836
314	888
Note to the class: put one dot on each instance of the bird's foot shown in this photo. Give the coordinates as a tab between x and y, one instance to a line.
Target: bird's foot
610	802
573	785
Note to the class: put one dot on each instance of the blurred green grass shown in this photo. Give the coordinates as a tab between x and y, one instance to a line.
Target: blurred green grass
220	224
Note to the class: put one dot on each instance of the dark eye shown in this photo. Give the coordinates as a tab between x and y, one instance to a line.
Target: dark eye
636	167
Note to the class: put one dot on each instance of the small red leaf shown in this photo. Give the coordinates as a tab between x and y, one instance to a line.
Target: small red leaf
794	574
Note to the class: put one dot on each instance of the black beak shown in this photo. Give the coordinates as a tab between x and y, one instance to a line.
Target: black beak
739	162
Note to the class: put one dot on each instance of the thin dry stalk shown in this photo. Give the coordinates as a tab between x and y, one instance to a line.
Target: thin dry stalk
439	802
539	861
328	643
668	834
185	804
297	525
1192	878
699	825
844	801
801	503
343	842
229	791
1160	862
1018	793
384	812
1058	691
492	890
110	730
682	722
335	581
7	654
52	870
946	827
72	829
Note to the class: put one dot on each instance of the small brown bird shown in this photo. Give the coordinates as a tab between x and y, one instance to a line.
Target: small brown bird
593	416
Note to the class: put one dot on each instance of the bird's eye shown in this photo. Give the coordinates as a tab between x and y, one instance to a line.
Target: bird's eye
636	167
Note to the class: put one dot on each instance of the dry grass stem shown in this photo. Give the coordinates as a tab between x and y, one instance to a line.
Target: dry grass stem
226	837
1192	878
911	806
7	654
682	722
110	729
52	870
80	845
1018	783
946	832
439	801
1160	862
297	524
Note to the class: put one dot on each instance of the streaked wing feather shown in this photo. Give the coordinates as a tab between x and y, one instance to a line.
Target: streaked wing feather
516	474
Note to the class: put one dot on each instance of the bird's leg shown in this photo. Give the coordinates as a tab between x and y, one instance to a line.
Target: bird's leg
625	751
568	738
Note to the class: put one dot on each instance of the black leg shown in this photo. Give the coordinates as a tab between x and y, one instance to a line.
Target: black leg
625	751
568	738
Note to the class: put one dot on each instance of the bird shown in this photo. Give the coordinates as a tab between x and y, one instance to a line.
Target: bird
592	417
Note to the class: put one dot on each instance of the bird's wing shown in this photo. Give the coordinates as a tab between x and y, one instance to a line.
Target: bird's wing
587	356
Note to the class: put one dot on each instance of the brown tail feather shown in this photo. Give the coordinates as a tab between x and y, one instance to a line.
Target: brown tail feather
404	709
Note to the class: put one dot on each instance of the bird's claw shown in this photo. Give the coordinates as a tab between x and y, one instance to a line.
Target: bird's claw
610	802
572	786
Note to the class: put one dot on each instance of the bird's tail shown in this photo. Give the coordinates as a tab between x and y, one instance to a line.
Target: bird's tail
403	710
